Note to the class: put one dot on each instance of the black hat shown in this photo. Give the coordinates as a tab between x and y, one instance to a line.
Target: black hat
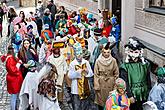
134	44
107	46
98	32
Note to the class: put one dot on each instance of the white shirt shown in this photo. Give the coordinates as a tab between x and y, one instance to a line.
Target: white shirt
73	74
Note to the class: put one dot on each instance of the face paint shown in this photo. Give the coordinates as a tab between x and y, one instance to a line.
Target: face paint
134	54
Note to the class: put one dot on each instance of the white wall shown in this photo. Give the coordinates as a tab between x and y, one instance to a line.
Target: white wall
128	19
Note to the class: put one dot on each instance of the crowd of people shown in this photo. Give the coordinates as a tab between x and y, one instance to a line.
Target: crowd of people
52	48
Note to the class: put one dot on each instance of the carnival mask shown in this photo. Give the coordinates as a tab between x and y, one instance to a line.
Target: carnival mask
134	54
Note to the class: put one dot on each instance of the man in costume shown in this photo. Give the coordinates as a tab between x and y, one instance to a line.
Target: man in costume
59	61
106	72
101	41
115	32
157	94
46	34
135	72
79	72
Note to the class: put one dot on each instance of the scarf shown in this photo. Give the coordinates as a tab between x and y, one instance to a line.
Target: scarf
105	61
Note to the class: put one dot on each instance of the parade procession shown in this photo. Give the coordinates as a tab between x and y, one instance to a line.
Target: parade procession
55	58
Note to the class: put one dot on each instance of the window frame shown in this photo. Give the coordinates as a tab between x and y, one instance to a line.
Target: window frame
161	5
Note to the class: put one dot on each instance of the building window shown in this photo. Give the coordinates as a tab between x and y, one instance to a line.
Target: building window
157	3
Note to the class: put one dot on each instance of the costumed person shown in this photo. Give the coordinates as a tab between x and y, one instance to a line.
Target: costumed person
45	52
107	29
30	34
47	18
91	19
82	16
46	34
79	72
106	72
47	88
34	30
61	25
28	95
157	93
59	61
101	41
118	100
69	55
149	105
19	30
14	76
135	71
116	31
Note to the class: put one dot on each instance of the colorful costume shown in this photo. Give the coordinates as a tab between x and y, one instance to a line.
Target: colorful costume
80	87
116	31
116	101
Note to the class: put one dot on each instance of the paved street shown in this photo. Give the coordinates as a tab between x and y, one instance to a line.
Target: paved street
4	96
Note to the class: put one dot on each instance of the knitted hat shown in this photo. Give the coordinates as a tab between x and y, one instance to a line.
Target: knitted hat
161	72
120	83
77	48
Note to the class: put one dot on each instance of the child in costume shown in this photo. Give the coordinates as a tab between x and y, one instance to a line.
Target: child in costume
157	93
118	99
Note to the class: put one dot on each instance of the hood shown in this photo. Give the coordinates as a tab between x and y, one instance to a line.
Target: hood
105	61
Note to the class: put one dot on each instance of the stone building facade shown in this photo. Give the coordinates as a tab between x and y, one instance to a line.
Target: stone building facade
147	24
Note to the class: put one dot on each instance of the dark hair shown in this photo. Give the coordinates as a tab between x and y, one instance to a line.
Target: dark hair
11	51
62	7
27	39
22	12
12	12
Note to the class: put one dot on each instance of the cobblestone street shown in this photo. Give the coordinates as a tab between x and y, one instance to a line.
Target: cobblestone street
4	96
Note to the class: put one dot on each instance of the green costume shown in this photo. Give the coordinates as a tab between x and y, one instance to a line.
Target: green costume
137	79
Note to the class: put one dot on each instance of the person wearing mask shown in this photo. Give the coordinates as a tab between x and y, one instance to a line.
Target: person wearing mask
79	73
135	71
118	99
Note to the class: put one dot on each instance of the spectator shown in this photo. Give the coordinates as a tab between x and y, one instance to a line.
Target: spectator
27	53
14	76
